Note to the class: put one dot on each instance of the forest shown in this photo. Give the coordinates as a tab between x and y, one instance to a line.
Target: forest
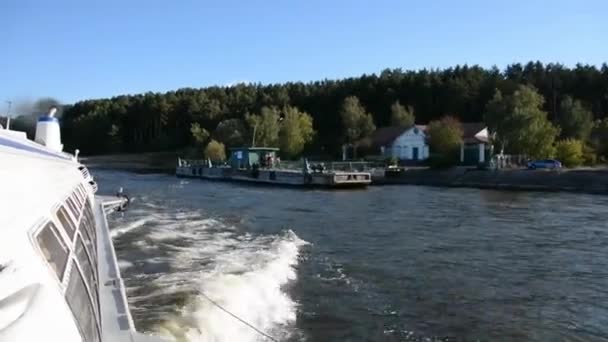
233	115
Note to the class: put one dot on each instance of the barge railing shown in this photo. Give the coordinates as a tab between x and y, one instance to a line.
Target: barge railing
343	166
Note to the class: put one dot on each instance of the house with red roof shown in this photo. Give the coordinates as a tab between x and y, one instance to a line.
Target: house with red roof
402	143
410	143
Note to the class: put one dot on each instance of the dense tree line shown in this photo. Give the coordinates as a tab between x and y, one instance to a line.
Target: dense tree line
186	117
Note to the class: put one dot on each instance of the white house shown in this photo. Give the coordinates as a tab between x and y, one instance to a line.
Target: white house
401	143
476	147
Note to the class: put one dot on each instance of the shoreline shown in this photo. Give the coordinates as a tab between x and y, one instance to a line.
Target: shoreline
591	181
152	162
574	181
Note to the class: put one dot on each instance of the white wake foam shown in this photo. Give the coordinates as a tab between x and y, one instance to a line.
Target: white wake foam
248	284
244	274
134	225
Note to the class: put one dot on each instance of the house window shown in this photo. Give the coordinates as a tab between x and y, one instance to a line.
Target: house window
52	248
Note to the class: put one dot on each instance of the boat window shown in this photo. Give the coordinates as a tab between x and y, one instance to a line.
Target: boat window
82	307
87	238
73	208
88	270
53	250
66	222
88	222
82	192
78	198
86	230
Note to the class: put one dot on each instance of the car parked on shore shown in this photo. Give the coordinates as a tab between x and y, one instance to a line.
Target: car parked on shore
544	164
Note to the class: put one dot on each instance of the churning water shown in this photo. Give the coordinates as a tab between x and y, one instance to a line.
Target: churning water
399	263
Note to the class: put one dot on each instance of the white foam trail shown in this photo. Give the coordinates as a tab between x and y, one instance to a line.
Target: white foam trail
242	272
134	225
255	295
246	279
124	264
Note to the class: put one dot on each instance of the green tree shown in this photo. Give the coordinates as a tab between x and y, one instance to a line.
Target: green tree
295	132
599	138
445	138
199	134
215	151
157	121
231	132
98	128
357	123
498	120
115	139
569	152
264	127
401	116
589	155
520	124
574	120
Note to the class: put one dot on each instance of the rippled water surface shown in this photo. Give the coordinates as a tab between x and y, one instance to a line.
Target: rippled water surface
400	263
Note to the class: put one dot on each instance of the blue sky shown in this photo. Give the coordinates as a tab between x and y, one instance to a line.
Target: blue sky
75	50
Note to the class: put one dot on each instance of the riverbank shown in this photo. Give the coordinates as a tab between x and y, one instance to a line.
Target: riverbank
153	162
583	181
593	181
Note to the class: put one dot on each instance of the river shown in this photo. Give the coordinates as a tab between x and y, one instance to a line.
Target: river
392	263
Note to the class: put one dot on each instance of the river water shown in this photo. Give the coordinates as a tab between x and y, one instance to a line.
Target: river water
393	263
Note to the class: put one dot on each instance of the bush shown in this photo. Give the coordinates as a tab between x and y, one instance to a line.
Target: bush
392	161
445	135
569	152
589	155
599	139
443	161
215	151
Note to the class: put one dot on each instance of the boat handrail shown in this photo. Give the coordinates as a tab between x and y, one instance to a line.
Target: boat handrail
344	166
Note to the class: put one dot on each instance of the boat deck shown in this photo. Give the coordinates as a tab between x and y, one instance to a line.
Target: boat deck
116	321
277	176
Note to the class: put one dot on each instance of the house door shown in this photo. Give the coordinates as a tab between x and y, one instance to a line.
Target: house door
415	153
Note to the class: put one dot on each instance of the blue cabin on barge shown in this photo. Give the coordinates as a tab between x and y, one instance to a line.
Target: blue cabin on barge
249	157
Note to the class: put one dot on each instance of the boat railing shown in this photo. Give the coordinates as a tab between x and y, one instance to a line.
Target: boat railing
339	166
289	165
298	165
199	162
347	166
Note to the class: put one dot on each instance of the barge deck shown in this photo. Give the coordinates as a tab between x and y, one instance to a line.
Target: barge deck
250	165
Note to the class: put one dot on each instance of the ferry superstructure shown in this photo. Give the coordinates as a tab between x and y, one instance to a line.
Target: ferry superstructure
59	276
